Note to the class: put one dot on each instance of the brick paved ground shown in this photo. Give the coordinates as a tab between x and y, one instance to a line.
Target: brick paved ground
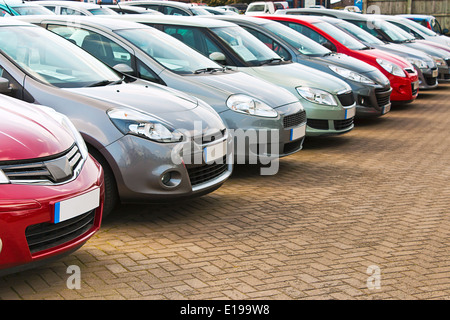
379	195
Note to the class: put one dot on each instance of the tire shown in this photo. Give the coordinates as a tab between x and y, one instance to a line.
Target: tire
111	193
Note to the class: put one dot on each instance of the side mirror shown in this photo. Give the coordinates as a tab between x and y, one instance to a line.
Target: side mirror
4	86
123	68
217	56
329	46
445	31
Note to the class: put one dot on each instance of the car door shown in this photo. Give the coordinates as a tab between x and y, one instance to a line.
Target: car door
108	49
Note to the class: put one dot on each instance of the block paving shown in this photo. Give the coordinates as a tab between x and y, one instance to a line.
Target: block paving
377	196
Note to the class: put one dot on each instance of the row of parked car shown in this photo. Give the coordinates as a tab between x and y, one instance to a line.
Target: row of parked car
97	110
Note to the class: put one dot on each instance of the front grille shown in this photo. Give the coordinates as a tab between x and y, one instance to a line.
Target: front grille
49	170
343	124
295	119
292	146
383	97
318	124
347	99
431	81
206	172
47	235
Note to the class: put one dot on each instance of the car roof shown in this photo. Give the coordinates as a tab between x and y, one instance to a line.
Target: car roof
320	11
193	21
175	3
309	19
420	16
18	3
13	21
77	4
94	21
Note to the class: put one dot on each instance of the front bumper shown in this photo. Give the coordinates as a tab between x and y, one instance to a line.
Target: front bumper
261	139
28	230
325	120
140	167
428	78
444	72
404	89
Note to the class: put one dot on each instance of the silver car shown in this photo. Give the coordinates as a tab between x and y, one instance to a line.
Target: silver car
149	54
144	135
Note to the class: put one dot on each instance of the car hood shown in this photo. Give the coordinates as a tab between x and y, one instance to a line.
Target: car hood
26	132
436	45
345	61
377	53
428	48
148	97
174	108
405	52
293	75
240	83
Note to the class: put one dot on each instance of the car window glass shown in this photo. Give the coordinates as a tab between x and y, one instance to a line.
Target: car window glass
68	11
313	35
51	8
96	44
174	11
159	46
146	73
51	59
272	44
407	29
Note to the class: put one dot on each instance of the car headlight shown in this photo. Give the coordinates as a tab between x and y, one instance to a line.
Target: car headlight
249	105
392	68
418	63
351	75
133	122
439	62
317	96
68	125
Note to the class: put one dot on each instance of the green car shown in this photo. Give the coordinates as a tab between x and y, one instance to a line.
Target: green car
328	101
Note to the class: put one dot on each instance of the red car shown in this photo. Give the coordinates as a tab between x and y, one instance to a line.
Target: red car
401	74
51	190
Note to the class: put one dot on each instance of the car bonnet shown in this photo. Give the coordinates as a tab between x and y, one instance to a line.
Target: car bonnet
26	132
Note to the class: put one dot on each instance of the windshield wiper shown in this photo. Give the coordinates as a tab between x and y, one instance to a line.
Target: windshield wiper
106	82
269	61
204	70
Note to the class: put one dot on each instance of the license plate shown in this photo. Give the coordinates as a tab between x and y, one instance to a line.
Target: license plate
350	113
386	109
214	152
70	208
435	73
297	133
415	85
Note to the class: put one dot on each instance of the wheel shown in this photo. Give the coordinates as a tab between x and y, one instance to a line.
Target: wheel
111	193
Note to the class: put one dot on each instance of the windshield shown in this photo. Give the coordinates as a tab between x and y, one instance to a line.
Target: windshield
160	47
247	46
299	41
102	11
200	12
418	26
52	59
344	38
394	33
359	33
31	10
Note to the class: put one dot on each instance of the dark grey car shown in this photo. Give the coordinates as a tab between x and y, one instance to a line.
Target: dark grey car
370	87
150	55
137	130
385	31
423	63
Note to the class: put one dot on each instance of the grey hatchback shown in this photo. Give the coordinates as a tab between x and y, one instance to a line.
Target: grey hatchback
145	135
248	105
